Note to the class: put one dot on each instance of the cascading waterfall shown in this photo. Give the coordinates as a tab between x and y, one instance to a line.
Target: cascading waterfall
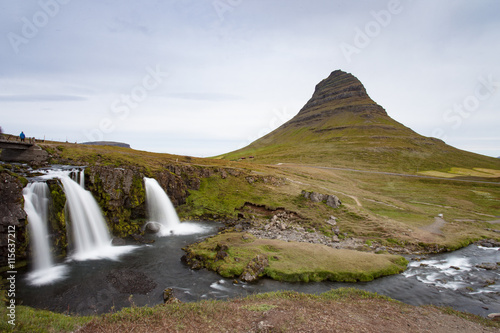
36	206
161	212
88	227
91	238
89	235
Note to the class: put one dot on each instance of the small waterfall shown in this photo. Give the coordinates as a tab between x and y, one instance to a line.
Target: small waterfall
36	205
161	211
90	234
82	178
160	208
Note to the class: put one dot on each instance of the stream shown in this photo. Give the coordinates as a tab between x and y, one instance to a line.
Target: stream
138	278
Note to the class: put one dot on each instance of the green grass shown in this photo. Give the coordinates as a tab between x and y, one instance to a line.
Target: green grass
30	320
294	261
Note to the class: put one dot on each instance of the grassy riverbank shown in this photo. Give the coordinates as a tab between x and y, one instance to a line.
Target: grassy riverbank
340	310
231	254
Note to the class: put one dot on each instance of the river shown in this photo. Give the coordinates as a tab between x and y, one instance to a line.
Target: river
139	278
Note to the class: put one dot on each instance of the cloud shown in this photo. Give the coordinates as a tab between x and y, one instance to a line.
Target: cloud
41	98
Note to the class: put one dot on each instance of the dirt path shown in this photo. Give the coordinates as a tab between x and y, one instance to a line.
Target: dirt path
436	227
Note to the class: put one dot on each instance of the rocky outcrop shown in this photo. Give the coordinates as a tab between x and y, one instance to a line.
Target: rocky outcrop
284	226
12	217
331	200
33	155
121	193
254	269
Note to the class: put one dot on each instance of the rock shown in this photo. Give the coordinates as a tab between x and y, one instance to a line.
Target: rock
169	297
12	214
118	242
221	252
455	268
141	240
488	266
316	197
494	316
333	201
254	268
153	227
130	281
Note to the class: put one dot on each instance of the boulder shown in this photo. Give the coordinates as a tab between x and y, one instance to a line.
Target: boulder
254	268
488	266
153	227
169	296
333	201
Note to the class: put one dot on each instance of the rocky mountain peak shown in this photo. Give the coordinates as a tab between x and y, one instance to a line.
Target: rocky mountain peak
341	92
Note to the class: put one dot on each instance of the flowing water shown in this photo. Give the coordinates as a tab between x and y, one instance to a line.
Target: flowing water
36	204
89	239
161	211
92	286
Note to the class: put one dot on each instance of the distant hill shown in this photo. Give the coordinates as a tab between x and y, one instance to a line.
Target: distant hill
107	143
342	126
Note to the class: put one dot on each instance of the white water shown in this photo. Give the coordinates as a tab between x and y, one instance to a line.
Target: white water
90	238
36	205
82	178
161	210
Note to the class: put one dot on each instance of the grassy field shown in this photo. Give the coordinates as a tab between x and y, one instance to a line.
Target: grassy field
376	207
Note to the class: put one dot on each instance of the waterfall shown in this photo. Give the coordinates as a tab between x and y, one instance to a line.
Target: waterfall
89	231
161	211
82	178
36	205
160	208
89	237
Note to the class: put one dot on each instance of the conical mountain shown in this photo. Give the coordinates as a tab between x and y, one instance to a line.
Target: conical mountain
342	126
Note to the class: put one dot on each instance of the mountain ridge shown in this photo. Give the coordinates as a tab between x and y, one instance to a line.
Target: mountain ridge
342	126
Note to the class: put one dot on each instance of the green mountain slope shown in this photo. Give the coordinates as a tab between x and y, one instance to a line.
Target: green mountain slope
342	126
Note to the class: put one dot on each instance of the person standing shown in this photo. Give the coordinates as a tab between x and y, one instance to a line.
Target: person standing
22	136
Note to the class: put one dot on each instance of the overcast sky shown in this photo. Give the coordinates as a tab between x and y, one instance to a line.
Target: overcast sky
204	77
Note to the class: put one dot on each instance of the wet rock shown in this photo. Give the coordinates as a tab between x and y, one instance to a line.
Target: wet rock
12	214
488	266
141	240
169	296
153	227
254	269
118	242
130	281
